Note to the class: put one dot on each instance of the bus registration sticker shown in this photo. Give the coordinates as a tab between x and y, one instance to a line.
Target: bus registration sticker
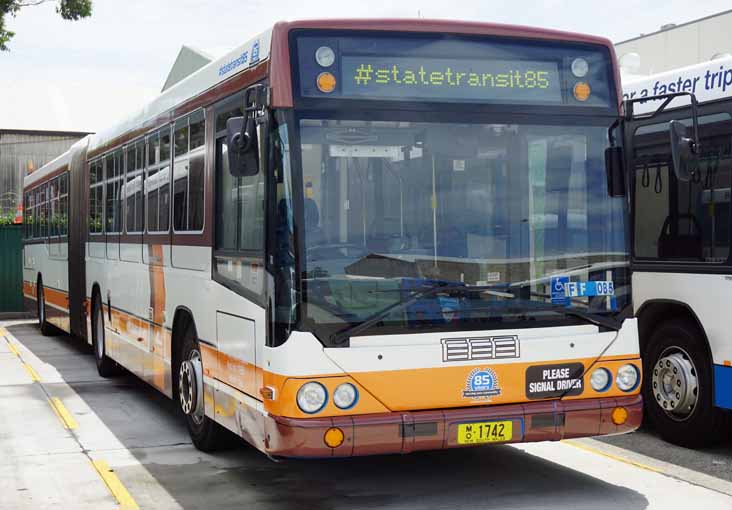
485	432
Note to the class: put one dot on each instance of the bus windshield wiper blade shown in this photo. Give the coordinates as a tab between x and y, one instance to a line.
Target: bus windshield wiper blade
593	318
340	336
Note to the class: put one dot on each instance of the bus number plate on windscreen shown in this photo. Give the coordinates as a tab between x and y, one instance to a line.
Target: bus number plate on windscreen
485	432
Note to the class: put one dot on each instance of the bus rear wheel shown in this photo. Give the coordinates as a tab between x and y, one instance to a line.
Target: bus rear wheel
43	324
678	386
206	434
106	366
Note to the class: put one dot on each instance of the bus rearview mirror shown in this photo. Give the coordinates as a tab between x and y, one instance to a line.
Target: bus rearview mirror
683	150
615	171
241	143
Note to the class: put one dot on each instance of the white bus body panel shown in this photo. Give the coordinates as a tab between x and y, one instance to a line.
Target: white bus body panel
706	295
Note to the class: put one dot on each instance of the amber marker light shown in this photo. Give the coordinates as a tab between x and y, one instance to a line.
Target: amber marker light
333	437
326	82
619	415
581	91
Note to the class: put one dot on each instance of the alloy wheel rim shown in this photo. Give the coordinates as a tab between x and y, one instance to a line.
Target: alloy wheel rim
41	307
675	383
100	334
190	387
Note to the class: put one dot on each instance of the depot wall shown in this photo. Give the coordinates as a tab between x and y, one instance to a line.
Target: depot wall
685	44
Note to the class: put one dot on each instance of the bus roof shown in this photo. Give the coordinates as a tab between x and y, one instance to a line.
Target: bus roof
271	48
708	81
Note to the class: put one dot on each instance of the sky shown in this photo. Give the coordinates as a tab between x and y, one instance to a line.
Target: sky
85	75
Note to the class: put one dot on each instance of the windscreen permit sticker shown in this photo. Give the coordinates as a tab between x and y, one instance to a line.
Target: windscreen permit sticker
559	290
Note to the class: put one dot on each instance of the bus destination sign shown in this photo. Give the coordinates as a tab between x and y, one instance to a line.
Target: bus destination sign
503	81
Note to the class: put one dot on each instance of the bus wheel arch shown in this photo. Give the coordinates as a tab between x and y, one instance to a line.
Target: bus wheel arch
678	369
206	434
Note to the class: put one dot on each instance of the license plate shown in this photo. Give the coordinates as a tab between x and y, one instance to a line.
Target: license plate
485	432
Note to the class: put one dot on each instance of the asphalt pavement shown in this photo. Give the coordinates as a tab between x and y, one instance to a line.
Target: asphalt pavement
70	439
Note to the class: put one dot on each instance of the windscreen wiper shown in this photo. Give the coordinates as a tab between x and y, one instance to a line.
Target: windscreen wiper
340	336
598	320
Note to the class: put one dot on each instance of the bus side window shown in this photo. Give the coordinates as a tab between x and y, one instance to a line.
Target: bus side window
188	173
685	221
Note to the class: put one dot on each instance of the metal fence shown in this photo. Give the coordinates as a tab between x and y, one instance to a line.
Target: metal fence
11	268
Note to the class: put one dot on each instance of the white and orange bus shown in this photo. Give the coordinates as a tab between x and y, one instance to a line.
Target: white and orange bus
350	237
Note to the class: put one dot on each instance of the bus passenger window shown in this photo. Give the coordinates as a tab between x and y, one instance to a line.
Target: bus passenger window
685	221
188	173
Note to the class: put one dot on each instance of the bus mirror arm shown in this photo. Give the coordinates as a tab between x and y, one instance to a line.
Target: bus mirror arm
684	150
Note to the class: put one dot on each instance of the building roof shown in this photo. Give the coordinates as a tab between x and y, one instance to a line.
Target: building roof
188	61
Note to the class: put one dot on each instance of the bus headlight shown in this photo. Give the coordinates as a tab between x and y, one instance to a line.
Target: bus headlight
627	378
345	396
600	379
311	397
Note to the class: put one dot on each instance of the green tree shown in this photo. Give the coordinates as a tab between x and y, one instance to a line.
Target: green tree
68	9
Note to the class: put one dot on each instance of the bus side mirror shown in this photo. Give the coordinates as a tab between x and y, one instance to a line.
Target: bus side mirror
242	147
615	171
683	151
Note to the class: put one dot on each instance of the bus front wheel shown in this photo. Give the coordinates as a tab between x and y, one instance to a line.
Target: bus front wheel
678	386
206	434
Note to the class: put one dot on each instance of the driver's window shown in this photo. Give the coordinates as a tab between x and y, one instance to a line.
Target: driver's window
684	221
238	253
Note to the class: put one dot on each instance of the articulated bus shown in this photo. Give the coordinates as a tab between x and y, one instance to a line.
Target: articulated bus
353	237
682	269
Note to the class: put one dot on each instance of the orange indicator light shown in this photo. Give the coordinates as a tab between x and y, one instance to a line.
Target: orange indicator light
326	82
581	91
619	415
333	437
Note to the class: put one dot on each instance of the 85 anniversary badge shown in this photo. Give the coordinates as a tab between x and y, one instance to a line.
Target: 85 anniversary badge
551	381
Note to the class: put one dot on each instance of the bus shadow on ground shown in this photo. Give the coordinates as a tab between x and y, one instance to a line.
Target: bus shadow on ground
147	424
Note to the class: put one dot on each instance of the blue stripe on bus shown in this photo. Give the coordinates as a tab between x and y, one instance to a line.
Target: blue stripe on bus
723	386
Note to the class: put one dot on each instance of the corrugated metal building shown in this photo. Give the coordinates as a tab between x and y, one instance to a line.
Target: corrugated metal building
22	152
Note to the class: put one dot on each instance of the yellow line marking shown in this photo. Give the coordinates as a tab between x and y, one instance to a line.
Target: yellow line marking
63	414
611	456
3	332
13	349
31	372
115	486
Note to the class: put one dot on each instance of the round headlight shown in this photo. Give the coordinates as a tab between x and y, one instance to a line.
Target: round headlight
324	56
580	67
627	378
600	379
311	397
345	396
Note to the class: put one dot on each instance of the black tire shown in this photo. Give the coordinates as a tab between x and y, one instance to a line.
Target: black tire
43	324
682	347
206	434
106	366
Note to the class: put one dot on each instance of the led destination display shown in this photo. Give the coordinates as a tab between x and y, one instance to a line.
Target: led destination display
431	68
517	81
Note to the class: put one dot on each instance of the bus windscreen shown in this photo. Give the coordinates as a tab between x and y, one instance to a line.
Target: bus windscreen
454	69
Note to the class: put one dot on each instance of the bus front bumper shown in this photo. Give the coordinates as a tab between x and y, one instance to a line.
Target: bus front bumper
404	432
